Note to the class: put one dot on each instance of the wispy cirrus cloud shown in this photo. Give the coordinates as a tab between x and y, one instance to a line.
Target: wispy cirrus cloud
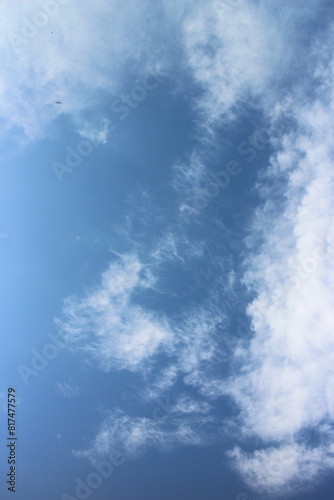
133	436
67	389
108	326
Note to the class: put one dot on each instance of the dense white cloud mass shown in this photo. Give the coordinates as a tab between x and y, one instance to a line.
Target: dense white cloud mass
283	470
287	381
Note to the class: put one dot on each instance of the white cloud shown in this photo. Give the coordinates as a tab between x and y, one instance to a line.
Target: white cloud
77	52
68	390
240	57
286	385
81	51
109	326
166	379
237	54
132	436
189	178
282	470
186	405
117	333
97	135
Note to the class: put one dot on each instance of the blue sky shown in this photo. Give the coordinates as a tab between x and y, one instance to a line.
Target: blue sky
166	248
